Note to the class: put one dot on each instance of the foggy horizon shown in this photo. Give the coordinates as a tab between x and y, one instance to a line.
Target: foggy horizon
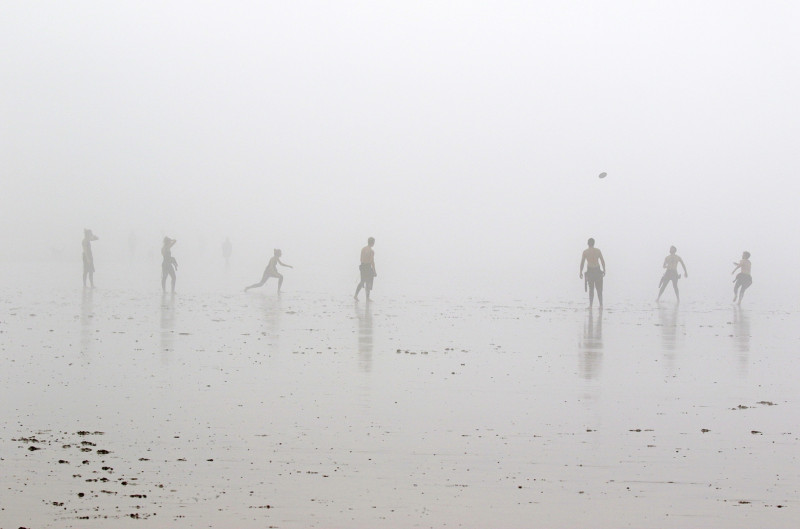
466	139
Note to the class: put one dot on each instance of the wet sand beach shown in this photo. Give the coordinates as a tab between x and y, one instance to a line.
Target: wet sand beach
311	410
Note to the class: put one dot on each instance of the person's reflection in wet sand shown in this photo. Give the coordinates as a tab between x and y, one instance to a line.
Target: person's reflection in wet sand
87	329
167	325
592	346
741	336
668	321
364	336
271	305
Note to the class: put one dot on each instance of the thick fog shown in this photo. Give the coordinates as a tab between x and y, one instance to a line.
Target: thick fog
466	137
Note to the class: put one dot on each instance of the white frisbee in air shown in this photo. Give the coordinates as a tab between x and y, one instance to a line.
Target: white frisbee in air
602	175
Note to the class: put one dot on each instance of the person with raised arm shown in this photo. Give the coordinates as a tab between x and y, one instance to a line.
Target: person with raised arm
671	274
271	271
743	279
169	265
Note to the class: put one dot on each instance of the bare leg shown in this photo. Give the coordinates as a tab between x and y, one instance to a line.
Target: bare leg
163	281
735	291
280	282
264	278
367	289
661	291
599	286
358	289
741	294
677	294
591	293
172	275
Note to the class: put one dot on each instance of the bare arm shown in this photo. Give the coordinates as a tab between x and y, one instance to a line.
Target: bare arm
738	265
583	260
284	264
685	272
603	262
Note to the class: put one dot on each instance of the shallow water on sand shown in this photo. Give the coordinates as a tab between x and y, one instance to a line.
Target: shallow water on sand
307	410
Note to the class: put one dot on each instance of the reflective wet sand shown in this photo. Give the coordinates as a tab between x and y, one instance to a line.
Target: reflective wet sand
309	410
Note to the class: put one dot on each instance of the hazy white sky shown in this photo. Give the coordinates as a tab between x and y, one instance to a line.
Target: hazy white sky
465	136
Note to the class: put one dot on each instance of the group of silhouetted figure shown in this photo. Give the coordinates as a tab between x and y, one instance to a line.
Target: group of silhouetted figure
592	276
596	270
169	265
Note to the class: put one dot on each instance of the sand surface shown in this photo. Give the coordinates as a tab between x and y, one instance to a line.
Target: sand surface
310	410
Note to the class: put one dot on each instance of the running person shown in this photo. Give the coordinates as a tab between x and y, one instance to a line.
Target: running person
671	264
271	271
743	279
593	258
169	265
367	268
88	258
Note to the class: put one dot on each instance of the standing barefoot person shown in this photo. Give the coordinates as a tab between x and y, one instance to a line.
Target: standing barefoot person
88	258
169	265
367	268
271	271
743	279
671	264
593	258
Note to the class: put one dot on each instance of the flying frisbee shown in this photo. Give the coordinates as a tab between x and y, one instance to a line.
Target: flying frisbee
602	175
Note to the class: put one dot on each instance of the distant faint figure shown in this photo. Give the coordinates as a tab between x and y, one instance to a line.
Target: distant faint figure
169	265
367	268
743	279
227	250
593	258
271	271
671	264
88	258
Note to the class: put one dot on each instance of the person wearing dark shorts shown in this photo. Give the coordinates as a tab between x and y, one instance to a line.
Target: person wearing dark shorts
671	274
595	271
367	268
743	278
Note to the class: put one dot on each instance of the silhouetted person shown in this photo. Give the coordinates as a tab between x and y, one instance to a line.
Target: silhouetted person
743	278
227	250
169	265
271	271
671	264
593	258
367	268
88	258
